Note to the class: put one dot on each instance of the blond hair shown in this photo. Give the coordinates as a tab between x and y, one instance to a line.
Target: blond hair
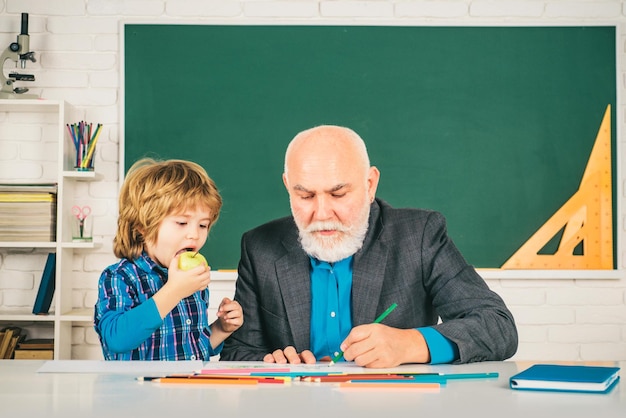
155	189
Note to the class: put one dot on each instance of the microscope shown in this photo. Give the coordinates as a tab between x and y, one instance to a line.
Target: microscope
17	52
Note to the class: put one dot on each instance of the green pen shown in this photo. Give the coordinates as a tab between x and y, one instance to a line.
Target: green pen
376	321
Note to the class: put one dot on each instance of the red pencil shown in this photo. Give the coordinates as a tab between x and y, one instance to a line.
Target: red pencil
351	377
188	380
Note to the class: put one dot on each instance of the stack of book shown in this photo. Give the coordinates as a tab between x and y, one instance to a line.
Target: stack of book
10	337
35	349
28	212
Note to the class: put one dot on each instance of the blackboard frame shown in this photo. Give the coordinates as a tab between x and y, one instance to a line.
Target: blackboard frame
382	155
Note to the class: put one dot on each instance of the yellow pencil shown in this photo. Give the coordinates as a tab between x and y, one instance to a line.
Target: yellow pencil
92	147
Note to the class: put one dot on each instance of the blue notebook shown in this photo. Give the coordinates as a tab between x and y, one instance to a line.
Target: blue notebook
566	378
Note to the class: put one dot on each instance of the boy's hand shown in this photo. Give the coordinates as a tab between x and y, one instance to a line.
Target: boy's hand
180	284
186	282
230	315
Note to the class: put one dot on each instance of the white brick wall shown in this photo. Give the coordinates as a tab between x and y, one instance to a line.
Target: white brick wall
78	59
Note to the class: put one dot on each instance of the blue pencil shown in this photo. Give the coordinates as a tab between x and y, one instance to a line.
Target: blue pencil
441	378
490	375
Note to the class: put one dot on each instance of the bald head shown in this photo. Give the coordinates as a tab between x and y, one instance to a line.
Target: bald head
327	142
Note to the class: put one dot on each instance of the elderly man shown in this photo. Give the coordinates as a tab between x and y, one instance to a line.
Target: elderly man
311	284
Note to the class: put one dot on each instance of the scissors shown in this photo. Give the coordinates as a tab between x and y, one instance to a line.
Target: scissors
81	214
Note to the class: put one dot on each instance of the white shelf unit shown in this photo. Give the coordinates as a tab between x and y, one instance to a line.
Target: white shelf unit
61	315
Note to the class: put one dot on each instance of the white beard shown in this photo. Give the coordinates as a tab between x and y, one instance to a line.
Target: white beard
347	242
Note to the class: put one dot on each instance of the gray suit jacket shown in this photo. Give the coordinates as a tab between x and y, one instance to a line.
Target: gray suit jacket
407	258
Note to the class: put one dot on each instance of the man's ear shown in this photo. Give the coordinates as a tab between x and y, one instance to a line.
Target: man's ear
373	177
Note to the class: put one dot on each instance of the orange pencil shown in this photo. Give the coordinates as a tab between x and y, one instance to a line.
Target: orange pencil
422	387
260	379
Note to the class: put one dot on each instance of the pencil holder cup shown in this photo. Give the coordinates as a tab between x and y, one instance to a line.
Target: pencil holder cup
82	225
84	136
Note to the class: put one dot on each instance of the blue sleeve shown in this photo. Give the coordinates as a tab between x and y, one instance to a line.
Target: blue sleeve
122	331
442	350
217	350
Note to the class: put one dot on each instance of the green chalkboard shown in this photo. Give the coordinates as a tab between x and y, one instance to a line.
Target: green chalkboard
492	126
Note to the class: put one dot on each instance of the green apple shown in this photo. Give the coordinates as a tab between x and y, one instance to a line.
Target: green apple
189	260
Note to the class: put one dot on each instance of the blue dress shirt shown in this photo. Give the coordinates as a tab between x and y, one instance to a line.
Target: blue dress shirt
331	318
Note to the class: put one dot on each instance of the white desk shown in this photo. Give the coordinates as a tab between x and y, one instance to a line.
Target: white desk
27	393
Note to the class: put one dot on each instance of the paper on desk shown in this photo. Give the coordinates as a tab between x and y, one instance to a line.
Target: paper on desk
121	367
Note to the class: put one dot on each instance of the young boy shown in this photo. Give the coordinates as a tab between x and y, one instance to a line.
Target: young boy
148	308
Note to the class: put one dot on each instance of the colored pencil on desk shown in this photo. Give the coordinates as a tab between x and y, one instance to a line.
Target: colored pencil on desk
428	387
441	378
351	378
431	379
449	376
148	378
246	370
294	374
226	379
260	379
153	378
376	321
187	380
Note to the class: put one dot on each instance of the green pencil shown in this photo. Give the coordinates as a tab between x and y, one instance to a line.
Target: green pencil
376	321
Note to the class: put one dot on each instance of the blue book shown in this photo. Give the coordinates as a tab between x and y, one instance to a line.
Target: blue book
566	378
46	287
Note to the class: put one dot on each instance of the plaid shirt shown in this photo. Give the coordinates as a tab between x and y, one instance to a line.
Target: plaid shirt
128	322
